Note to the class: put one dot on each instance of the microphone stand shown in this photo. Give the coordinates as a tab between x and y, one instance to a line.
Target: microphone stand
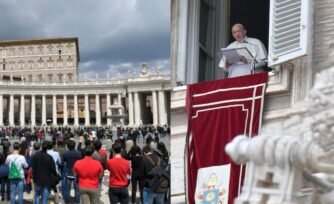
254	57
253	66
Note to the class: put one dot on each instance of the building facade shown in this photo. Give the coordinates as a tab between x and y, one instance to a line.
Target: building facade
52	59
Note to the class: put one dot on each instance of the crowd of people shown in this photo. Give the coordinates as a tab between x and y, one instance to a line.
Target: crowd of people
39	133
48	160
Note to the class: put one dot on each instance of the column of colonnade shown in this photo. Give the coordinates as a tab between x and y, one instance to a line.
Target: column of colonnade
137	109
65	116
22	110
159	109
162	108
97	110
131	109
33	109
76	111
1	110
11	110
87	122
119	98
43	109
109	112
155	108
54	109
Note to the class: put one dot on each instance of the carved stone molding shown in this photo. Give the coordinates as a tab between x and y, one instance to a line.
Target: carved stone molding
280	82
279	164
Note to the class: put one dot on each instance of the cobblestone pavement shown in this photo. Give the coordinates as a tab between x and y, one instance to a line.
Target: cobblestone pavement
28	198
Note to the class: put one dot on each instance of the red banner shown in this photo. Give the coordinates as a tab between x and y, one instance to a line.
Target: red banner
217	112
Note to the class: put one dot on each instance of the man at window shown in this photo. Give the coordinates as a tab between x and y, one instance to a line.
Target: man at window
254	46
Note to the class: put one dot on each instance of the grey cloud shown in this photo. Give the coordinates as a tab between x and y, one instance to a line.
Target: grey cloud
110	32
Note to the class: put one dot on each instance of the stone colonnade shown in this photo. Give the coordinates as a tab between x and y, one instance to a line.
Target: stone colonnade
64	97
75	103
159	109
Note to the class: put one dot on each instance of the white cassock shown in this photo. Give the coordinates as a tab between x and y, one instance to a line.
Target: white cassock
255	47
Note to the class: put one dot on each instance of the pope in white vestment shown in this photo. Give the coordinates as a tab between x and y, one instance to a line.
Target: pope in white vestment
254	46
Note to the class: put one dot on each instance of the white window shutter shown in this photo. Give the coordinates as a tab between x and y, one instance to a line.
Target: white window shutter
288	30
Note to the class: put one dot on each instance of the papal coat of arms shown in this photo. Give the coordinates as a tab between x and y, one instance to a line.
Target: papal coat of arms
212	185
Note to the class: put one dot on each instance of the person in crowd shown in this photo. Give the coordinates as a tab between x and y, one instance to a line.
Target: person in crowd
88	177
86	142
102	158
60	148
156	137
69	158
163	151
135	156
39	135
164	155
44	173
36	147
149	140
27	135
149	161
4	182
56	158
5	148
16	179
99	157
128	146
119	172
24	151
98	147
124	154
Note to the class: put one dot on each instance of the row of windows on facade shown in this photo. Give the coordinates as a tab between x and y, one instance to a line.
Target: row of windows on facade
32	50
50	77
40	63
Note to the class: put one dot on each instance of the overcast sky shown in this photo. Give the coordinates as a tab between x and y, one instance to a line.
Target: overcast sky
114	35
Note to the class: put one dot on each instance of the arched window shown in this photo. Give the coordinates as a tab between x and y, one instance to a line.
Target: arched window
70	77
30	64
30	50
59	62
40	63
60	77
40	77
50	62
50	77
4	52
69	48
40	49
12	51
11	65
21	51
60	48
50	49
21	64
69	61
